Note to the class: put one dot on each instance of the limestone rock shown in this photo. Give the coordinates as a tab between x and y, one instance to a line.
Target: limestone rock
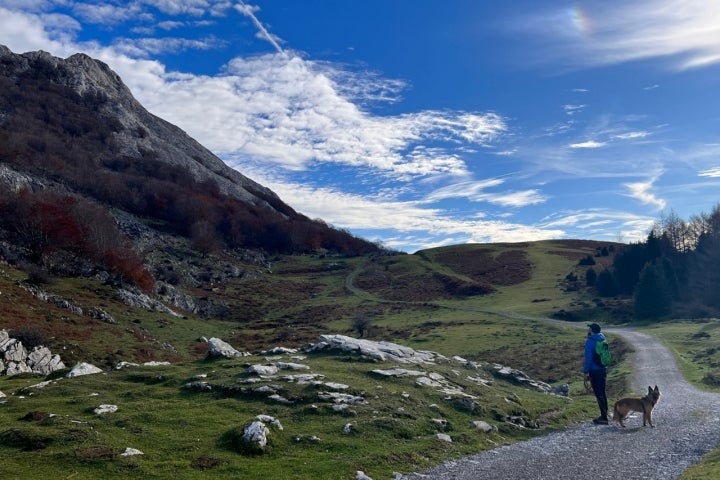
382	351
483	426
14	351
263	370
83	368
42	361
220	348
129	452
255	436
16	368
103	409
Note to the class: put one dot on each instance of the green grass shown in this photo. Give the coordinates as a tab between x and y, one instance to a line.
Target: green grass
696	346
177	428
193	434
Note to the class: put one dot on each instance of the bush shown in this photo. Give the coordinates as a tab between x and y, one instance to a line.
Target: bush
30	337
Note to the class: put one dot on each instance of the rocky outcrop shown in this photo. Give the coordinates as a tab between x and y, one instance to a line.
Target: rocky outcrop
381	351
15	359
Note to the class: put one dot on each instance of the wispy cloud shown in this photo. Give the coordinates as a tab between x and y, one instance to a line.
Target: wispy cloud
144	47
642	192
588	144
603	33
573	109
477	191
631	135
710	172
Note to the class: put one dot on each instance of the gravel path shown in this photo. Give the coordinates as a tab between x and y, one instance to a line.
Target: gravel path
687	427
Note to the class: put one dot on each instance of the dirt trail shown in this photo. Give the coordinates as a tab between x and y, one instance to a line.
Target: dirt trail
687	427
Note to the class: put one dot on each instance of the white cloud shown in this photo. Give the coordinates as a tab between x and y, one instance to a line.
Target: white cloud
143	47
710	172
282	109
631	135
476	191
362	213
628	227
106	13
641	191
611	32
588	144
573	109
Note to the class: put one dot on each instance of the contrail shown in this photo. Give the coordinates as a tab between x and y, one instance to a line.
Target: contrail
248	12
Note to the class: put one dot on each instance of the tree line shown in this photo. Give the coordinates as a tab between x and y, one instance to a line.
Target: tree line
673	273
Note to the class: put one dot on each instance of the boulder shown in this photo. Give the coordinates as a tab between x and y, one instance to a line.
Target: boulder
254	436
220	348
83	368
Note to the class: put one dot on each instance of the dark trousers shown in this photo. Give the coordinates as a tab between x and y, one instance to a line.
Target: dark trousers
597	381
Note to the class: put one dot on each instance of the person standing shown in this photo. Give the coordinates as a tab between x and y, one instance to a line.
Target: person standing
596	373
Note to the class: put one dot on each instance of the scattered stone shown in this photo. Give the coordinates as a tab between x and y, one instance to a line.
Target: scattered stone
348	428
220	348
255	436
199	386
291	366
341	398
428	382
280	399
519	377
262	370
360	475
444	437
480	381
155	364
271	420
83	368
103	409
41	384
398	372
124	364
279	350
129	452
332	385
483	426
303	378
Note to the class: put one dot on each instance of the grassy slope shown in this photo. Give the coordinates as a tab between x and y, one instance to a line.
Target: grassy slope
411	300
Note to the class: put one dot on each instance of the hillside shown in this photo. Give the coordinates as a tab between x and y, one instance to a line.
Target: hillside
350	408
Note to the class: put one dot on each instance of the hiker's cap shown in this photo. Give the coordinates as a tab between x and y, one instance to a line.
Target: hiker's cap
594	327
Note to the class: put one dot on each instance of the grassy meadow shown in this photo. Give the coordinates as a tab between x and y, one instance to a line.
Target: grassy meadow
485	303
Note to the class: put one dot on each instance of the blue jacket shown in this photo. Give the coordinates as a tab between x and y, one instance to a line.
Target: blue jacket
590	350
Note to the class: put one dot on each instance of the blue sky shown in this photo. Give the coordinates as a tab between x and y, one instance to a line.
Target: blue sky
421	123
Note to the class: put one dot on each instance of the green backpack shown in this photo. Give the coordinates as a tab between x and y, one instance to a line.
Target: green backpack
602	355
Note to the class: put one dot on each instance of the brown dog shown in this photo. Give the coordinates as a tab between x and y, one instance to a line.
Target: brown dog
643	405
